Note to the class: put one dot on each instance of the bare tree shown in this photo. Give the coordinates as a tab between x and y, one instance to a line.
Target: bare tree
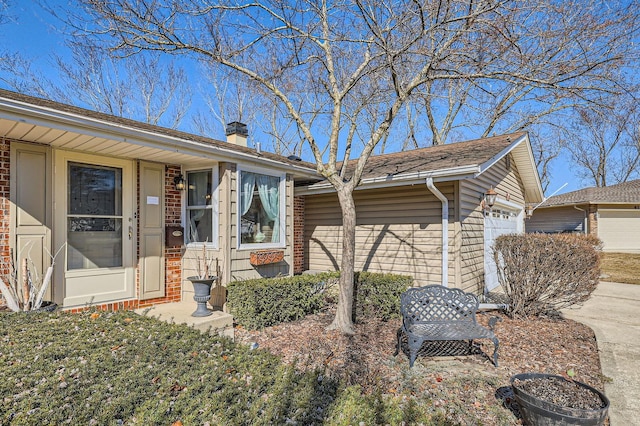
335	65
147	87
605	143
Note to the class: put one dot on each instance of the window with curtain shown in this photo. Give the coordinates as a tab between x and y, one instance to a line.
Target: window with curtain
260	203
200	206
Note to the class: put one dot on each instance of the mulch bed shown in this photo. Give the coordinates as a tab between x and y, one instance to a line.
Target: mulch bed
471	384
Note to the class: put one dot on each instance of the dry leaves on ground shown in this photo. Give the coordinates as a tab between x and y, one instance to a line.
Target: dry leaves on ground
471	383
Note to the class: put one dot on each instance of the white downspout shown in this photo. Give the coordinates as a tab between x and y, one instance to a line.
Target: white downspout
445	230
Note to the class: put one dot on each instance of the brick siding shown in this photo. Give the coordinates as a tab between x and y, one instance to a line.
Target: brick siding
5	148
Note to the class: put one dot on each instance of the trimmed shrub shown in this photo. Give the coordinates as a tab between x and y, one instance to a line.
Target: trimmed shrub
264	302
543	273
378	295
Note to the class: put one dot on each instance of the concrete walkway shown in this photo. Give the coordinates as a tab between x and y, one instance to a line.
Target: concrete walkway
613	312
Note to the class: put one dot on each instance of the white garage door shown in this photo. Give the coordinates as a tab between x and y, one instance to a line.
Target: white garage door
619	230
498	221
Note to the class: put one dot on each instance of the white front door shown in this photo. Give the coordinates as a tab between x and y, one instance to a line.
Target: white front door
94	217
499	221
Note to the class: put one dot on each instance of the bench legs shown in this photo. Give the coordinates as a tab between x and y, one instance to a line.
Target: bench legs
416	344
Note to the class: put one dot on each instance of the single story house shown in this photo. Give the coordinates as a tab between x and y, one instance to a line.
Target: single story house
128	207
611	213
425	212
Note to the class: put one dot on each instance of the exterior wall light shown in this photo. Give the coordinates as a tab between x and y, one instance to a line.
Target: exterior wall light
490	197
178	181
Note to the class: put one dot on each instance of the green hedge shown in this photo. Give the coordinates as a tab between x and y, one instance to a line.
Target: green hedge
378	295
264	302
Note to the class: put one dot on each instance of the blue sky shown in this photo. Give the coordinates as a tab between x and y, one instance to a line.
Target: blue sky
32	31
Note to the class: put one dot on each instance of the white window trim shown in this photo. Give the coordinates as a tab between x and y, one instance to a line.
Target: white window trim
283	209
215	207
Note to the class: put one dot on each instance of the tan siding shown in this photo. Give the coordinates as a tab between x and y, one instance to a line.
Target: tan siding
398	230
557	219
508	185
241	268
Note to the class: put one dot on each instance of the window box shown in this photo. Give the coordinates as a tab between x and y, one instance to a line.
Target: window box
266	257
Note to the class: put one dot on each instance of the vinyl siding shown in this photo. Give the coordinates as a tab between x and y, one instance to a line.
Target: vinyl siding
234	263
398	230
557	219
240	267
508	185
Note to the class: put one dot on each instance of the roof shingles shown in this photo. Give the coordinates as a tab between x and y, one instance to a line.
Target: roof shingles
622	193
441	157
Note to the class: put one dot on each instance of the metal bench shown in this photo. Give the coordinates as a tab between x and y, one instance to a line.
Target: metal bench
437	313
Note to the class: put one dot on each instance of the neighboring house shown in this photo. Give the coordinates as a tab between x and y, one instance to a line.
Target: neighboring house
407	199
611	213
129	206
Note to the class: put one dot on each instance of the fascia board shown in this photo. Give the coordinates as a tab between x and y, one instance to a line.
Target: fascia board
538	193
456	173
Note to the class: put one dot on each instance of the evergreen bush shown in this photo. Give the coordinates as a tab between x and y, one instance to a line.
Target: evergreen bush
264	302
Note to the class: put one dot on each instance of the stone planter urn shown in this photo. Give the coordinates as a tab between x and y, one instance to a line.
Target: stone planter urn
546	399
202	294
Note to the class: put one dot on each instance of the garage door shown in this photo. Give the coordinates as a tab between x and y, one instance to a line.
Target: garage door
498	221
619	230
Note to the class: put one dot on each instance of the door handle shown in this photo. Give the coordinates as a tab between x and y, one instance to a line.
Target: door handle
130	232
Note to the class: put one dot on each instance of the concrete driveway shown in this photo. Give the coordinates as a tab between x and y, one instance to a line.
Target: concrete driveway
613	312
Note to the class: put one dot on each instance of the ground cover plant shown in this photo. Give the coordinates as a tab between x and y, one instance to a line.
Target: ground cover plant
621	267
120	368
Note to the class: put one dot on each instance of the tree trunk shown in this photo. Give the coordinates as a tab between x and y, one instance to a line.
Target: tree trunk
344	314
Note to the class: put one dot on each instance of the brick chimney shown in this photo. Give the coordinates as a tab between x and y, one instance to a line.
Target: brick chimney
237	133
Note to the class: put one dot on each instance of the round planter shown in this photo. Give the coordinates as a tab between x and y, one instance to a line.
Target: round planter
536	411
201	294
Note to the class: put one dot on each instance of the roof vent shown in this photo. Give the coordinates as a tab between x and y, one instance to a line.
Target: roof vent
237	133
294	158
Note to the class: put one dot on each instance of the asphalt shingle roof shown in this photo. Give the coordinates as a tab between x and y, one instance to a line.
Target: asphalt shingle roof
622	193
470	153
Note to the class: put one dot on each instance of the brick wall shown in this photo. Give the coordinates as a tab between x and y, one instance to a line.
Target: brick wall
172	255
298	234
592	220
4	207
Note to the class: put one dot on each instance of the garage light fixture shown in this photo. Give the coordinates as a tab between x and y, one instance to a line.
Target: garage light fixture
490	197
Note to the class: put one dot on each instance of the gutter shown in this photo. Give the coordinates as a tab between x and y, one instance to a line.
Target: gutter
417	178
445	230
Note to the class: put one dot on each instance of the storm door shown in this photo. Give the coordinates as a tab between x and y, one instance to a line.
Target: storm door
99	229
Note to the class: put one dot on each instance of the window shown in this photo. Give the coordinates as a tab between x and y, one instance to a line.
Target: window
201	207
261	209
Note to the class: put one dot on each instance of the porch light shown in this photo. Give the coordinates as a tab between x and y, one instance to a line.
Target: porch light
178	181
490	197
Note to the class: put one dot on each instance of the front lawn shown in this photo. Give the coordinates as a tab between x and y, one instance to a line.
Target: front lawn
621	267
99	368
